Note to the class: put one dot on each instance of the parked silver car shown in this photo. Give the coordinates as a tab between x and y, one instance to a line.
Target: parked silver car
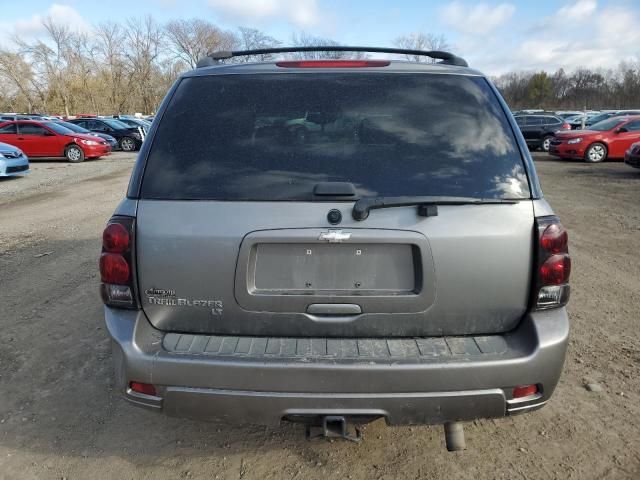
12	161
397	262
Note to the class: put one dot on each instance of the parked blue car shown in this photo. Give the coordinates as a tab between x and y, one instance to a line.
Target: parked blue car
12	161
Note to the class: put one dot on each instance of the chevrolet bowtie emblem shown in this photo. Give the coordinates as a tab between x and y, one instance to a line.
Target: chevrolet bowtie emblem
335	236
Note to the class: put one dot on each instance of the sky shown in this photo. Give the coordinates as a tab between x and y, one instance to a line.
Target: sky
494	36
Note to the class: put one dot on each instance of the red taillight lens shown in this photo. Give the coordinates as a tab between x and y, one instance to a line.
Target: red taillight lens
555	270
333	63
114	268
145	388
566	126
553	265
554	239
525	391
115	238
117	264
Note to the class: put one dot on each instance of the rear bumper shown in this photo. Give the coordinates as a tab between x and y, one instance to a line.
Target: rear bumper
412	381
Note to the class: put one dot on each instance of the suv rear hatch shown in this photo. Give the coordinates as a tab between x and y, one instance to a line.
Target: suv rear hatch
233	231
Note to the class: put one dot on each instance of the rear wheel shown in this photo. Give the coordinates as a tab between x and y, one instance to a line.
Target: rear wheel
74	154
596	152
127	144
546	143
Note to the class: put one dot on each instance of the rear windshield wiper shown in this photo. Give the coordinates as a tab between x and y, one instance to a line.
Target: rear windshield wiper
427	205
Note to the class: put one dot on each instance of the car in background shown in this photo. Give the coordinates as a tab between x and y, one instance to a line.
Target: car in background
136	123
632	156
113	143
565	114
129	139
539	130
608	139
13	161
619	113
50	139
13	117
529	111
590	119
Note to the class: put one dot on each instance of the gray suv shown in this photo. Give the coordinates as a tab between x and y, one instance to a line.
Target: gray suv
392	256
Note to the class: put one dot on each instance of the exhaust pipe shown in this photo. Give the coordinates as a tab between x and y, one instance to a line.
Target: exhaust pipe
454	436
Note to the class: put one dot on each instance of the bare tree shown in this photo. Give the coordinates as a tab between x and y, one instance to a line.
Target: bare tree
144	44
254	39
422	41
190	40
51	59
305	40
111	64
18	83
128	66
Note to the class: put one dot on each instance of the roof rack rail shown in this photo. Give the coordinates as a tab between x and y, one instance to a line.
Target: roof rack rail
446	57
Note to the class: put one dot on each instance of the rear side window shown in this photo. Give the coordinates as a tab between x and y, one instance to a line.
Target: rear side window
633	126
10	128
31	129
275	136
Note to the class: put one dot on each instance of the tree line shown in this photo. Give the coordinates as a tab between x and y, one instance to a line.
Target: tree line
128	66
617	88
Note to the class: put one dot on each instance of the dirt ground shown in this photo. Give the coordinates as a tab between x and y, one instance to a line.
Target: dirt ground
61	418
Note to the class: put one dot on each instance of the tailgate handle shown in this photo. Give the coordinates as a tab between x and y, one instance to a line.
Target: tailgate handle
334	309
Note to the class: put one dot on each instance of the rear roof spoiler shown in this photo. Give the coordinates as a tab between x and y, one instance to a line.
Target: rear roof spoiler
445	57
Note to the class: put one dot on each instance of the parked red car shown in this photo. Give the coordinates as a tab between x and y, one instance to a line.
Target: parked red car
610	138
50	139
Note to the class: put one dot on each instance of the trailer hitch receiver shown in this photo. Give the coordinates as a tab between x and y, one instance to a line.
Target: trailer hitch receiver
334	426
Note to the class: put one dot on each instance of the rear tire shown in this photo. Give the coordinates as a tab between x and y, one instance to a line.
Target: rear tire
596	153
127	144
74	154
546	143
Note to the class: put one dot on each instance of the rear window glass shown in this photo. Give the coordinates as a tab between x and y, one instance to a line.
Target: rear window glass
275	136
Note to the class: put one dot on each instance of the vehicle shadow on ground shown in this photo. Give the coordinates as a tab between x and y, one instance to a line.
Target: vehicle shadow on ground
39	160
58	395
607	170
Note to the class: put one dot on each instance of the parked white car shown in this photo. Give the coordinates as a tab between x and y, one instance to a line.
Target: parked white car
12	161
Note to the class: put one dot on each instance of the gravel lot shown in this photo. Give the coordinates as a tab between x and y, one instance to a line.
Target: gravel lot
60	418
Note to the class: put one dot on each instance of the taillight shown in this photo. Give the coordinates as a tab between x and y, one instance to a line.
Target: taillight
525	391
554	238
114	268
556	270
117	265
144	388
553	264
566	126
115	238
333	63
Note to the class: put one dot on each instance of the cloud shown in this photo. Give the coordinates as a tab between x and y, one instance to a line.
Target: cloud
579	10
479	19
301	13
60	14
578	34
613	36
